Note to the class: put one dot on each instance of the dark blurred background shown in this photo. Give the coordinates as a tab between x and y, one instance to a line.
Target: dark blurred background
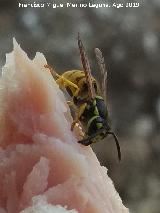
130	41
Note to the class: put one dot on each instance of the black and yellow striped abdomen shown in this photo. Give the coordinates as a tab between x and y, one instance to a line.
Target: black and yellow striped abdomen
95	116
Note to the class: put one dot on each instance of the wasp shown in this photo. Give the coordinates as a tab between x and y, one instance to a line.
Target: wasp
88	98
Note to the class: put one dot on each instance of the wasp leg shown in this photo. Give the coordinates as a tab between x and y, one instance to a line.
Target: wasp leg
71	104
52	71
74	123
65	82
81	132
76	119
117	144
61	81
78	115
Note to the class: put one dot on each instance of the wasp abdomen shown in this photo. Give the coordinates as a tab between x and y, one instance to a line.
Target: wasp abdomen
94	124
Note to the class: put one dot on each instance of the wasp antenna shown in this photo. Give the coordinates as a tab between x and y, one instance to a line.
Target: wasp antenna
78	35
117	144
86	67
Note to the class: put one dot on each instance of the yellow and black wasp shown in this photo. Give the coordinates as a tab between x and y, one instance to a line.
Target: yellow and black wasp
91	108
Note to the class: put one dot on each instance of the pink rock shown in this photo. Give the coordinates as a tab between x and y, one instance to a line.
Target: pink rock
40	158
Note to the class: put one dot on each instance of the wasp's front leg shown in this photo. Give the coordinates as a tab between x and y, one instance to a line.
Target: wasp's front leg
52	71
78	115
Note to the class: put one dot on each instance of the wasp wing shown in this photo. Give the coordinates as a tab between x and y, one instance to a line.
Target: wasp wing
100	60
86	68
